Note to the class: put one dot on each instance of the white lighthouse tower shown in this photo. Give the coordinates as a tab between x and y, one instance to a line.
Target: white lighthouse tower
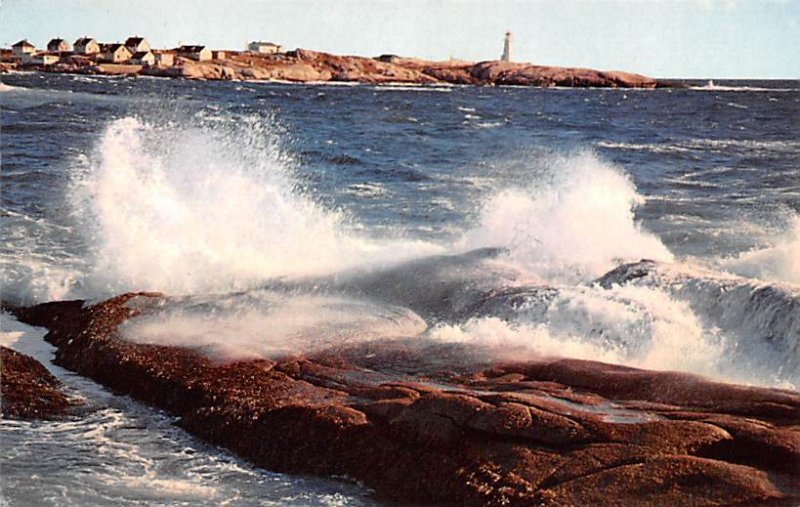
506	48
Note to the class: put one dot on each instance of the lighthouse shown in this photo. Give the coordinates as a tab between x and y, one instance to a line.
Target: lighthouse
506	48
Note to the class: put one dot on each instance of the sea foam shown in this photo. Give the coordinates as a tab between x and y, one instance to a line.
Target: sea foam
573	222
778	261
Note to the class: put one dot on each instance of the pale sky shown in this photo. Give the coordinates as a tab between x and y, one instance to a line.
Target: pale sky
661	38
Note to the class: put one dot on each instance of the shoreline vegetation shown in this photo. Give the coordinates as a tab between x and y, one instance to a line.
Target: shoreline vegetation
307	66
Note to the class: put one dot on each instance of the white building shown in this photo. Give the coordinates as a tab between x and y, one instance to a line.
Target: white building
44	59
115	53
266	48
199	53
23	49
86	46
137	45
143	58
164	59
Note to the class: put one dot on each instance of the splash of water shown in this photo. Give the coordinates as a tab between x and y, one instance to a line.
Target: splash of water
208	208
637	326
269	325
573	223
778	262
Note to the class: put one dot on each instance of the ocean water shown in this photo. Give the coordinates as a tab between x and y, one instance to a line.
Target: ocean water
289	218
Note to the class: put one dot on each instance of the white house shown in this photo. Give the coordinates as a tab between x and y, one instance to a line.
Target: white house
164	59
199	53
137	45
44	59
218	55
143	58
86	46
23	49
115	53
266	48
57	45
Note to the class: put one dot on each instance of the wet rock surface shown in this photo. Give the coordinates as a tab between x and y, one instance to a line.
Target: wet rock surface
425	429
28	390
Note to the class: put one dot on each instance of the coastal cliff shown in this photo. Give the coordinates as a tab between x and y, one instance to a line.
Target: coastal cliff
304	66
417	428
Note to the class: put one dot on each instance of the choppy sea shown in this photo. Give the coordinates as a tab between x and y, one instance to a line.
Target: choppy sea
290	217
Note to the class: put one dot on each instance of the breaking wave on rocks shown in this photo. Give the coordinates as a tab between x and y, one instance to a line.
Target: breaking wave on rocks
166	221
215	212
575	221
777	262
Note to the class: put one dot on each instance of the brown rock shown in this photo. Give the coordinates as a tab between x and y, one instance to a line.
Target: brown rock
28	390
552	432
304	65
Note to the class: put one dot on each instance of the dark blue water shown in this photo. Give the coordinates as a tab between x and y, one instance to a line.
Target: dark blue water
202	188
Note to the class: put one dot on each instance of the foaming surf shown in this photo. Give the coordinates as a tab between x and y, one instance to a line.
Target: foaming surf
575	221
264	324
776	262
209	208
710	86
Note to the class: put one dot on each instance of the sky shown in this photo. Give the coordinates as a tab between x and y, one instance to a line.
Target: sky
660	38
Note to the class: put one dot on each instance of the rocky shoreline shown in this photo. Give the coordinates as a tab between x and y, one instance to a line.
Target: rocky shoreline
548	432
306	66
28	390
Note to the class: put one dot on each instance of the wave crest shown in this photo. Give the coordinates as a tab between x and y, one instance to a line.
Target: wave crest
575	222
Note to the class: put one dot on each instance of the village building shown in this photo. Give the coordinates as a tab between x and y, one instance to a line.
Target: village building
199	53
137	45
218	55
114	53
57	46
23	49
266	48
164	59
86	46
145	58
44	59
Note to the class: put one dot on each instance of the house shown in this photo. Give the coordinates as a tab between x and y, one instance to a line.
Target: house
23	49
57	45
114	53
143	58
266	48
137	45
218	55
86	46
44	59
163	59
198	53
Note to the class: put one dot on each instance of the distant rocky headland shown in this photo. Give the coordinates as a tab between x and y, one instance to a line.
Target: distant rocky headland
268	61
